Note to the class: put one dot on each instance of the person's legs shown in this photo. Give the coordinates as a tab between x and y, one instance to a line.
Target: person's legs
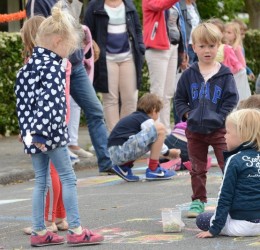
73	128
73	125
40	236
169	88
52	198
40	165
173	142
127	88
203	220
61	221
85	96
61	160
54	209
158	62
154	170
76	234
218	142
198	151
111	100
137	145
156	147
240	228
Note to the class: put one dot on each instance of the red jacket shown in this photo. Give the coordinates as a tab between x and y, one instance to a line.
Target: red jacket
154	23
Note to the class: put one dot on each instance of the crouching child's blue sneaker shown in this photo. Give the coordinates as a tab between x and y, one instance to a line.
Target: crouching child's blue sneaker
125	172
159	174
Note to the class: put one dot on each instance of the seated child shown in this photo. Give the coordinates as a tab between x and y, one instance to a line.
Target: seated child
135	135
237	212
178	139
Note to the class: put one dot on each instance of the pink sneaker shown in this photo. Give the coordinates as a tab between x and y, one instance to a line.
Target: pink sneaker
86	238
49	238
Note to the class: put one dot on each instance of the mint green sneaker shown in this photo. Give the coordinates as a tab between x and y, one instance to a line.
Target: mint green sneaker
197	207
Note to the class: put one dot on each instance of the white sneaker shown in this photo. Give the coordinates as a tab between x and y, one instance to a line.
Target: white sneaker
74	158
91	148
81	152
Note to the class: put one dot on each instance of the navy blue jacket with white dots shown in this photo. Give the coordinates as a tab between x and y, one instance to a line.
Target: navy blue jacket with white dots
41	102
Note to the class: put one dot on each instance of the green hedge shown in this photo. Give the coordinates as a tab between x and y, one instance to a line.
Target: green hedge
252	50
11	61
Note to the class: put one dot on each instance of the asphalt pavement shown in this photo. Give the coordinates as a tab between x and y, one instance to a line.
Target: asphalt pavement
127	214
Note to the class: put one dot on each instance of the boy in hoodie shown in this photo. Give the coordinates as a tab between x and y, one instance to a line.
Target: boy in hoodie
206	94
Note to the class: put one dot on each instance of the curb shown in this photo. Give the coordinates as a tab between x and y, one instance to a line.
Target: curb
17	176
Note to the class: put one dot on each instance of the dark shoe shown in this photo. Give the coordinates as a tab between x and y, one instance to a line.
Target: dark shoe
49	238
125	173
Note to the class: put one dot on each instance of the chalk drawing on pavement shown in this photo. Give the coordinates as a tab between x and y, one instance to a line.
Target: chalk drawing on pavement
2	202
119	235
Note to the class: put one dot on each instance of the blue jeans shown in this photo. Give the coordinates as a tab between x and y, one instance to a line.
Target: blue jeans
173	142
85	96
61	160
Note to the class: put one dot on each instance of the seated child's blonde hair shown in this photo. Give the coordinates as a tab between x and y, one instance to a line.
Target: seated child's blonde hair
206	33
247	124
62	23
149	102
28	34
252	101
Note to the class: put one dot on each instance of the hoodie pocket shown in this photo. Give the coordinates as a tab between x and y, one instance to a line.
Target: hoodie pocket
155	27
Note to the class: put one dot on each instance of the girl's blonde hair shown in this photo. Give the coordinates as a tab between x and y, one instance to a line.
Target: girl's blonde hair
247	123
206	33
61	23
236	29
28	34
149	102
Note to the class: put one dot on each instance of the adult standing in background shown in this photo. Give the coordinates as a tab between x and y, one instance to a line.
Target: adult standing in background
161	38
116	28
82	92
192	19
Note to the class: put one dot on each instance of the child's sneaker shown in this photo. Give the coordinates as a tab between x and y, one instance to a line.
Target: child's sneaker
49	238
73	158
159	174
125	173
86	238
197	207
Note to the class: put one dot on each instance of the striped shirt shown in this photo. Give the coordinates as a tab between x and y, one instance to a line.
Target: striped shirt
118	46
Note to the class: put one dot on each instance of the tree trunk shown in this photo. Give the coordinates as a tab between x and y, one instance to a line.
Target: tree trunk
253	9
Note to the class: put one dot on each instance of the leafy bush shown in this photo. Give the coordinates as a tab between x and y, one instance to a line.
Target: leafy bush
11	61
252	50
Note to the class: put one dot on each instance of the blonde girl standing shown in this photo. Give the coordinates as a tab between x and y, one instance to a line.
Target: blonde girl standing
232	37
41	110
